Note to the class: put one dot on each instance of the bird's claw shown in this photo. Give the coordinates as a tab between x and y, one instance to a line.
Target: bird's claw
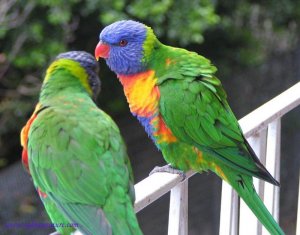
169	169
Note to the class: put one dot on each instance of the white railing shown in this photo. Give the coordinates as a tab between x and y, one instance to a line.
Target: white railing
262	128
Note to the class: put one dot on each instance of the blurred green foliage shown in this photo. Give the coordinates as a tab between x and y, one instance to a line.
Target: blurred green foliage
34	32
250	31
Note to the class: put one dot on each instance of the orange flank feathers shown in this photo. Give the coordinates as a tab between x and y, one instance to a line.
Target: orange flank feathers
163	133
200	158
169	62
41	193
24	137
219	171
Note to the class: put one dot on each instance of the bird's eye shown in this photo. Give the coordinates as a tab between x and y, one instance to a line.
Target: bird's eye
123	43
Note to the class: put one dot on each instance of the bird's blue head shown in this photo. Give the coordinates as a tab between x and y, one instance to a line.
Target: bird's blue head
125	45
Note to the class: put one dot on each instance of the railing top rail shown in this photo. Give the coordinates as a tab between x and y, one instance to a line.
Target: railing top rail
154	186
157	184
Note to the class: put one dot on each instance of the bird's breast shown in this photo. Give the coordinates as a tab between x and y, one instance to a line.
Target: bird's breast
141	92
143	96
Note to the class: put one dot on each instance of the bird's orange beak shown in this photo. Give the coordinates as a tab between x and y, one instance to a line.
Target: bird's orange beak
102	50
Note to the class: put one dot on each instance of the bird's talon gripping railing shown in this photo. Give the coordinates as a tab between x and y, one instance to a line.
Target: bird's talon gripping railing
262	129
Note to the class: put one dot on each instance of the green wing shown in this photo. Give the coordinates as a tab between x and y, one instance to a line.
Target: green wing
78	158
194	106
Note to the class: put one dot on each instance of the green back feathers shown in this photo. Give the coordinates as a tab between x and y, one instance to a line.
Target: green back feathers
77	157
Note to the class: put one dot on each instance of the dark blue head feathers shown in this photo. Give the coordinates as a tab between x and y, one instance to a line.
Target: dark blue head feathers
125	39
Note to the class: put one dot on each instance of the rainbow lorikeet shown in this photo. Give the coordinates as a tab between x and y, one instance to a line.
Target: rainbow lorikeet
76	155
176	96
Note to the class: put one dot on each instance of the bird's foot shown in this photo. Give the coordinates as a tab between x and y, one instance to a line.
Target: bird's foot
169	169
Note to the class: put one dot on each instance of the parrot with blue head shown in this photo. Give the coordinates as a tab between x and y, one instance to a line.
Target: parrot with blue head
183	107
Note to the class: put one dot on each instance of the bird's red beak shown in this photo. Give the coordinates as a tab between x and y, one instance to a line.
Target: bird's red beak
102	50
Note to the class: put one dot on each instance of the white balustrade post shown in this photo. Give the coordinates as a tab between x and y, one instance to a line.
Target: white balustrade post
229	217
248	221
298	212
178	212
271	193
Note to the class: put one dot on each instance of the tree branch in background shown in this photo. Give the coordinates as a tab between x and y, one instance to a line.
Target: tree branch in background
15	49
11	17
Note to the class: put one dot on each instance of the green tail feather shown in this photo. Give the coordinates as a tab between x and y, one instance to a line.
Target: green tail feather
243	184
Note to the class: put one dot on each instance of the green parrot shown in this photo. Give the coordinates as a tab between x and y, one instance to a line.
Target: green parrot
75	154
176	96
